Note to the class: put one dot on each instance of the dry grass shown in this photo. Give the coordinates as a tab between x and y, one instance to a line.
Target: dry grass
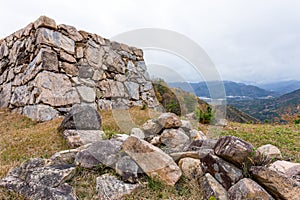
183	190
285	137
122	121
22	138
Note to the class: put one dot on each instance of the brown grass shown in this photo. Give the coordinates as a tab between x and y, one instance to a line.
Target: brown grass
22	138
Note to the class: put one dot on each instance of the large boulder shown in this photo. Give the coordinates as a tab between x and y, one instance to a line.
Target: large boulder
152	160
270	151
191	168
276	183
289	169
233	149
39	179
108	187
174	140
211	188
105	152
151	128
76	138
248	189
81	117
169	120
225	173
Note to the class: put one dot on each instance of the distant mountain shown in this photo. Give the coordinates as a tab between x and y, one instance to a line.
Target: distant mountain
281	87
232	89
274	110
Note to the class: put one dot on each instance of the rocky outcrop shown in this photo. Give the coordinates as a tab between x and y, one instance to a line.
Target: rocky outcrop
47	68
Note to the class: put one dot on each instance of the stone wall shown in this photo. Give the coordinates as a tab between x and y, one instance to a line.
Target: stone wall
46	68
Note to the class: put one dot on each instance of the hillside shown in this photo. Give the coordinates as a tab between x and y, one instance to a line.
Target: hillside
281	87
182	102
232	89
280	109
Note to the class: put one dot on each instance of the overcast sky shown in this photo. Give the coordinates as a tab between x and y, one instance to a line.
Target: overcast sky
247	40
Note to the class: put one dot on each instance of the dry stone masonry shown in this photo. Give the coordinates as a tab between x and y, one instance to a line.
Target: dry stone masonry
46	68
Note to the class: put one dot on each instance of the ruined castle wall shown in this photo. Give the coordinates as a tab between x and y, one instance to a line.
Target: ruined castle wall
46	68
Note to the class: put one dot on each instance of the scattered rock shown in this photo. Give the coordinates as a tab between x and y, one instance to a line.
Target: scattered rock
76	138
36	179
40	113
276	183
169	120
105	152
152	160
137	132
197	135
212	188
174	140
186	125
270	151
81	117
289	169
233	149
151	128
248	189
110	188
224	172
186	154
191	168
127	169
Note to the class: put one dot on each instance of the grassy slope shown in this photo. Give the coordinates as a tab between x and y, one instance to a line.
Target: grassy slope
21	139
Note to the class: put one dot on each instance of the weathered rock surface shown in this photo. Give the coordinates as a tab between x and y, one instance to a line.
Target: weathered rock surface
81	117
55	89
137	132
224	172
40	112
233	149
38	179
152	160
185	154
191	168
289	169
186	125
270	151
248	189
169	120
276	183
127	169
197	135
212	188
151	128
110	188
76	138
105	152
174	140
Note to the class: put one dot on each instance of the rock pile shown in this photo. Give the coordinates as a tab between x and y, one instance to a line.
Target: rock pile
47	68
164	149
